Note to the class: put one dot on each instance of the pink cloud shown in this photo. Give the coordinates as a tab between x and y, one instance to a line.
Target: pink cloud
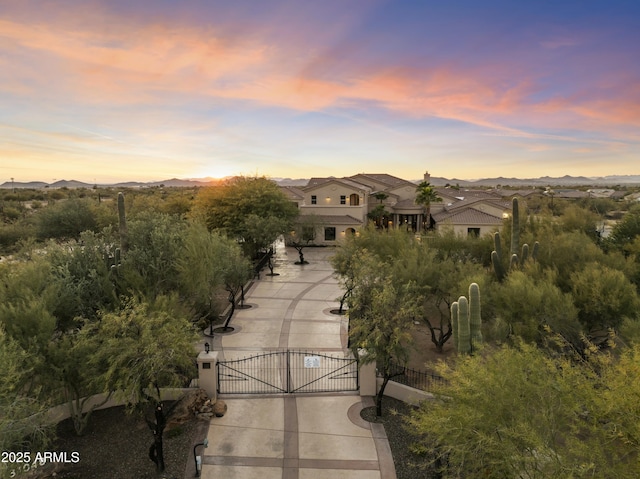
99	57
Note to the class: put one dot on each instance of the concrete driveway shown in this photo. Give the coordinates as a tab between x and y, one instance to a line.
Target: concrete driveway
293	436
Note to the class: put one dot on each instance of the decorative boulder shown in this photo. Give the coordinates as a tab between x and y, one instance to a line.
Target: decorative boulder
219	408
188	407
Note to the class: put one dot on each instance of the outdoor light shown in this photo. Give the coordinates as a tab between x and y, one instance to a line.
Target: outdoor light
198	459
206	347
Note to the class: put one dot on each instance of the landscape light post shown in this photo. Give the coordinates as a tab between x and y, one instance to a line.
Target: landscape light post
198	459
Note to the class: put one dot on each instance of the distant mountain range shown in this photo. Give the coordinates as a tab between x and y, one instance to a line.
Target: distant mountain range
612	180
622	180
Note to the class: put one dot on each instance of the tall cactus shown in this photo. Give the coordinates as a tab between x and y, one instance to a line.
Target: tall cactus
475	318
466	321
515	227
464	328
515	261
124	238
454	323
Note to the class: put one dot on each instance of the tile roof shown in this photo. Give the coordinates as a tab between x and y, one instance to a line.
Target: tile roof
314	182
467	216
389	180
467	202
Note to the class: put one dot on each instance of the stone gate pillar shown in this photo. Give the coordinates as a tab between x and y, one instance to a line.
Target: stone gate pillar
367	376
208	373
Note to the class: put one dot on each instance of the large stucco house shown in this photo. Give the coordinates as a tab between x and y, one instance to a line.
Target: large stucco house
342	205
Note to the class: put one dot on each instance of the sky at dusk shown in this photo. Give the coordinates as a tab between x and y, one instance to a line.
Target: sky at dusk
106	91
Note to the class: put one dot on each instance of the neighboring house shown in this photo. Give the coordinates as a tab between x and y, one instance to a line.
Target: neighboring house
341	205
473	214
569	194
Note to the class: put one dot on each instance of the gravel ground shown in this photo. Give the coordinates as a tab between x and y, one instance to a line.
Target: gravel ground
409	465
116	445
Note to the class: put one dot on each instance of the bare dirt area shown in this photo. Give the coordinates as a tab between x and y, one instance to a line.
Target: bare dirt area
423	352
116	446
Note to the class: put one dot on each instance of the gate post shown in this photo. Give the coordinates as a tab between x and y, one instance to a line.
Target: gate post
366	375
208	373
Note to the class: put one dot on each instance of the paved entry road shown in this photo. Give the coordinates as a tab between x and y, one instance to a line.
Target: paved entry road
293	436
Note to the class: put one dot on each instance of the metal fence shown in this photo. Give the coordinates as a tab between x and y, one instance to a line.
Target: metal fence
414	378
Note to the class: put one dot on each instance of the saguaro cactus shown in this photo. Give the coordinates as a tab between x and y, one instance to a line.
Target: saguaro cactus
464	328
454	323
515	227
475	318
466	321
122	224
515	261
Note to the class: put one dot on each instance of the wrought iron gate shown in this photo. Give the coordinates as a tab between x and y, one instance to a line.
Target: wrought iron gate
288	372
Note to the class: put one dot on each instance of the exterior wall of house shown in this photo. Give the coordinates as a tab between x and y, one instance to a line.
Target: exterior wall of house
340	232
326	210
328	201
463	230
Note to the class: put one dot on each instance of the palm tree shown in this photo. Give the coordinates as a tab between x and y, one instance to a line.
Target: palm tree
425	195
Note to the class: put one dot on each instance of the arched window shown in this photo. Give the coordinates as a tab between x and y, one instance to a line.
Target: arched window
354	199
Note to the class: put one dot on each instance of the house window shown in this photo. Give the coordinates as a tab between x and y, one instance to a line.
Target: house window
343	200
475	232
314	200
354	200
329	233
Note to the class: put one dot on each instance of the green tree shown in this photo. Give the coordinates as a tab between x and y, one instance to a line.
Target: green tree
27	296
518	412
425	195
525	305
381	316
65	220
146	347
303	234
202	270
236	271
234	205
70	363
23	422
83	280
626	231
604	297
155	243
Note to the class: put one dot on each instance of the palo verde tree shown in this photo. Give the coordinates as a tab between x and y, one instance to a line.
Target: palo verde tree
235	271
210	265
201	275
303	234
23	421
604	297
237	206
65	219
385	246
519	412
145	347
70	364
155	243
626	232
381	316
